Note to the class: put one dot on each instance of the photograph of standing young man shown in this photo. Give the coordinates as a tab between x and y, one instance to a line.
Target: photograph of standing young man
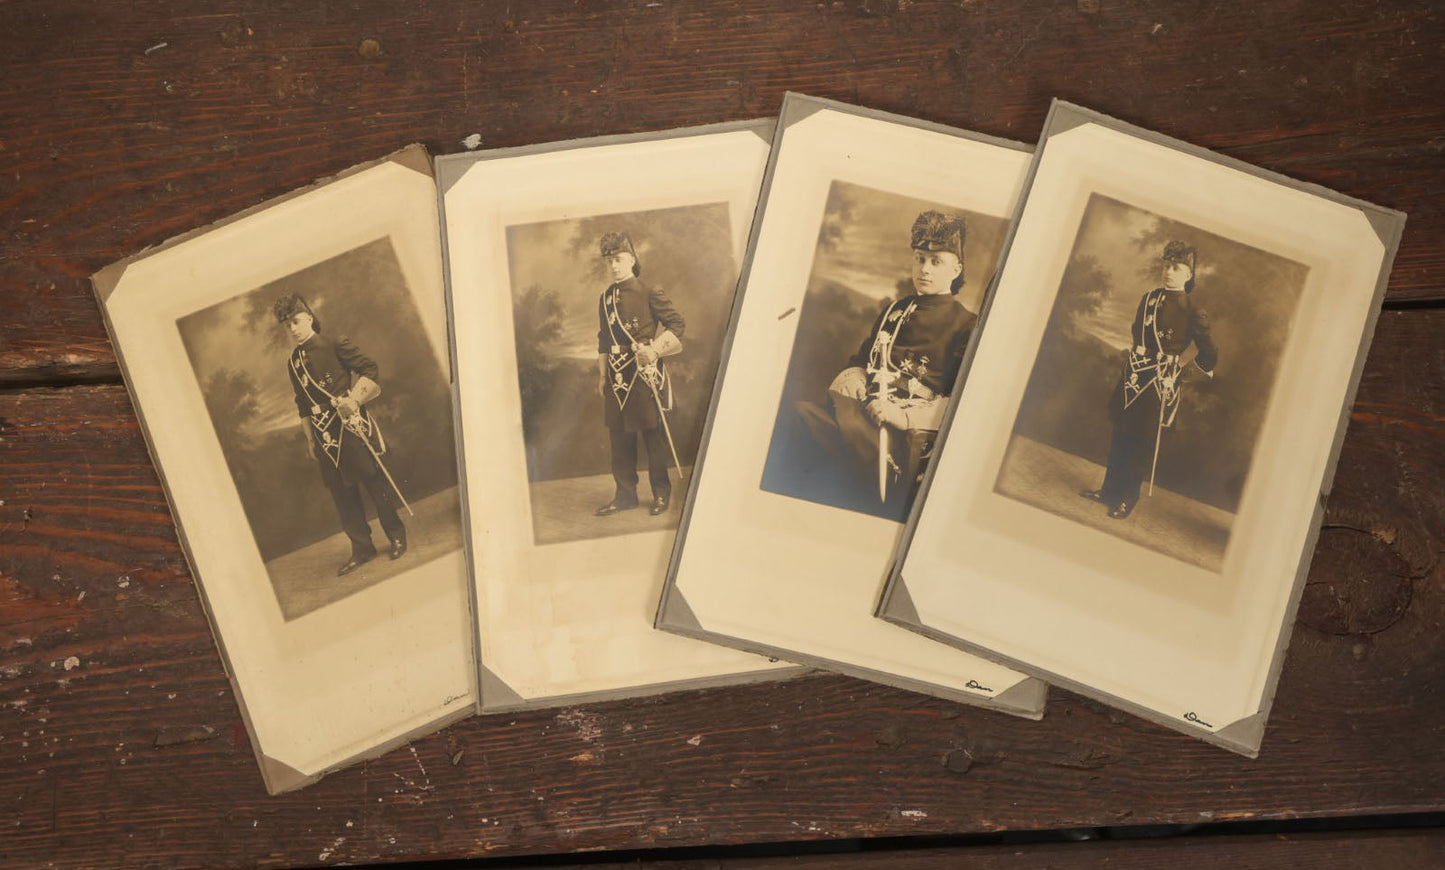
333	381
638	328
1146	400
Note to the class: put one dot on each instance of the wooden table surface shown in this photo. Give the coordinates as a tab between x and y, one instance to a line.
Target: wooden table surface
122	124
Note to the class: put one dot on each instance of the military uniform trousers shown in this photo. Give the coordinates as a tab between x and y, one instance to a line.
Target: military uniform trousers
1131	449
624	461
358	470
849	440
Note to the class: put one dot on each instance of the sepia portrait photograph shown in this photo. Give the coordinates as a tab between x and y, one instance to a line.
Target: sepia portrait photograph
618	321
1151	383
288	369
334	418
868	267
891	301
590	285
1128	490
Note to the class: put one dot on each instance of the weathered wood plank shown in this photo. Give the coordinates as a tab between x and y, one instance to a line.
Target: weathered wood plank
124	124
119	735
1369	850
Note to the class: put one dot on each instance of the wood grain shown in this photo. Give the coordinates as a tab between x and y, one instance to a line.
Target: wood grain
119	735
1369	850
124	124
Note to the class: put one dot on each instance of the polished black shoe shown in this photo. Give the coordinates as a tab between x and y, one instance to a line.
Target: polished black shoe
660	503
1121	510
617	505
1093	495
356	561
398	548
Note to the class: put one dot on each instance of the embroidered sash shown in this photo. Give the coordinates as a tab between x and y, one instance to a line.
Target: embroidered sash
1150	367
620	356
326	422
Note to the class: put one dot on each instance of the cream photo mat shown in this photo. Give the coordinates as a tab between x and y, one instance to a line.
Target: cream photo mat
573	620
1198	649
777	574
386	662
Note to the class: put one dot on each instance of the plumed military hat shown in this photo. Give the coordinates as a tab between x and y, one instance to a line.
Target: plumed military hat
1179	252
936	231
611	243
286	306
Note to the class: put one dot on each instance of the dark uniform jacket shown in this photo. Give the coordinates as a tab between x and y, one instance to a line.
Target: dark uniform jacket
1165	324
641	313
331	365
929	344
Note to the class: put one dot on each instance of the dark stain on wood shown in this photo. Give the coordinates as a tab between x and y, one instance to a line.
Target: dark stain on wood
958	761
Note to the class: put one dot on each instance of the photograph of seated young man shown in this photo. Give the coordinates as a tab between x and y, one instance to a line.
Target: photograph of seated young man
637	328
333	381
884	408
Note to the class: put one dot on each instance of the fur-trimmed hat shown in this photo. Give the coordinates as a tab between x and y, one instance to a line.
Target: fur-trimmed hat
611	243
1179	252
936	231
285	306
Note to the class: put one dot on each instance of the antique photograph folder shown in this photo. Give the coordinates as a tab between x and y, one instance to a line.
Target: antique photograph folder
590	284
1132	478
289	369
871	255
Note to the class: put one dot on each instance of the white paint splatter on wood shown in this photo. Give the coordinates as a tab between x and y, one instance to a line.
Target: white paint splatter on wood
588	728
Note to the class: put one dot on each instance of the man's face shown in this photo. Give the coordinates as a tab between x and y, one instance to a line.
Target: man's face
934	271
299	326
619	265
1176	274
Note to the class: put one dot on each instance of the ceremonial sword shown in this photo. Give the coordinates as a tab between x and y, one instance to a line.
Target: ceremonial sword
651	375
1172	384
356	430
304	375
883	380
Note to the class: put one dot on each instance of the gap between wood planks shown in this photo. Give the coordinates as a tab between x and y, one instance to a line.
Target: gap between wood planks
92	374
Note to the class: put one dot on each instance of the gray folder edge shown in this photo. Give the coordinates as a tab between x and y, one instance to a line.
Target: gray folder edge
277	775
1026	698
502	698
1244	736
494	694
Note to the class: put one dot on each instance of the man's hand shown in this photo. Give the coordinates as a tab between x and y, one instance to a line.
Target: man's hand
665	343
364	390
602	387
881	412
347	407
851	382
646	355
